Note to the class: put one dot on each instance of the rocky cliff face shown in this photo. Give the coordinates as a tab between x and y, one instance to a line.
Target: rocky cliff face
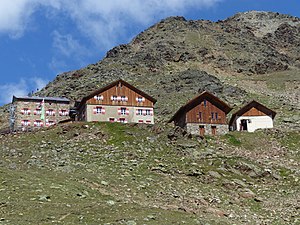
249	55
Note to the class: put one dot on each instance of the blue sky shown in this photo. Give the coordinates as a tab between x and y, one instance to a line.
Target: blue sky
42	38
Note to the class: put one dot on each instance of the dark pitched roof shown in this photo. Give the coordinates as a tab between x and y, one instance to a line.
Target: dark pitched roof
248	106
204	95
38	98
84	99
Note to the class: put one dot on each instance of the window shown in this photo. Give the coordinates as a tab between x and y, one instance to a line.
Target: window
98	110
63	112
25	123
38	123
37	112
111	120
204	102
123	111
114	98
124	98
148	112
122	120
98	97
139	112
140	121
212	116
50	123
50	112
139	99
216	116
26	111
200	115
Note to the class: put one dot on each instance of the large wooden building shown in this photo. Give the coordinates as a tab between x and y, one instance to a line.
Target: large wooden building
34	112
117	102
251	117
204	114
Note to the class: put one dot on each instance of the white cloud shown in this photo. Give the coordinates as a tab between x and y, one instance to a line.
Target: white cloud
103	22
38	83
21	88
67	45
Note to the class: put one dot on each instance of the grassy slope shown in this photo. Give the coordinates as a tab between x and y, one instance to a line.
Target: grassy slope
128	174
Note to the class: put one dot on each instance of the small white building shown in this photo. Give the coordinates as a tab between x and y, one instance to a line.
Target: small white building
251	117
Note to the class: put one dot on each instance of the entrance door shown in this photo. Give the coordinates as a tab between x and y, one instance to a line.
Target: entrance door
202	130
244	125
213	130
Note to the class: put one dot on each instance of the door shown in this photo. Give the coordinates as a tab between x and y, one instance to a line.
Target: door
213	130
244	125
202	130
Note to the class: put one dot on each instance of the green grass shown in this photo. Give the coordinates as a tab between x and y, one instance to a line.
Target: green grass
233	140
96	173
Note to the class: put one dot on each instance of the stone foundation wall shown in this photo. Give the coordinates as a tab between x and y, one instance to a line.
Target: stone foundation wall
194	128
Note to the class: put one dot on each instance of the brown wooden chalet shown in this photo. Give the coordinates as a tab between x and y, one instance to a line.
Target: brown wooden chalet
204	114
251	117
118	101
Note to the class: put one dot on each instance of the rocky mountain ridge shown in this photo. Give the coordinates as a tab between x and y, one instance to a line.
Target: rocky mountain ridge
249	55
96	173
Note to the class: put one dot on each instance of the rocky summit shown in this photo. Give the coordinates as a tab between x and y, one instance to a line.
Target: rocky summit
111	173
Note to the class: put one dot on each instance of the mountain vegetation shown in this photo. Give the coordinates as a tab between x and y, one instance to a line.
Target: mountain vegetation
102	173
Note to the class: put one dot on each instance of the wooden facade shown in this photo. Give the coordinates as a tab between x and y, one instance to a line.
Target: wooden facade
254	112
124	95
204	114
117	102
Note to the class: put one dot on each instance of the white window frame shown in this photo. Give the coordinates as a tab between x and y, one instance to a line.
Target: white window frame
50	112
98	97
124	98
39	123
139	112
122	120
139	99
98	110
38	111
64	112
26	111
148	112
123	111
26	123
